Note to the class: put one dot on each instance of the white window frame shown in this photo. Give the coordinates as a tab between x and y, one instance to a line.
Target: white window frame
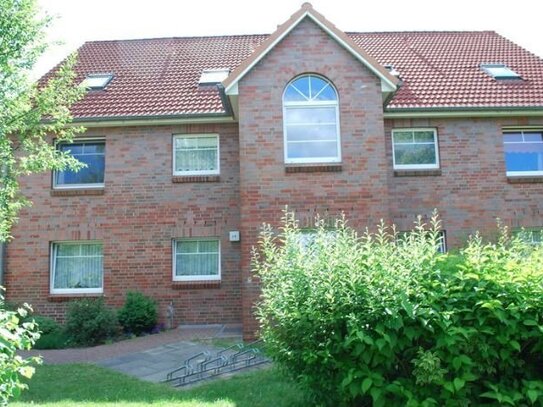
520	173
309	105
97	185
204	172
175	277
52	263
416	166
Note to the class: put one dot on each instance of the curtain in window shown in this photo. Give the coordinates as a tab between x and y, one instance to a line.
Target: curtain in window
196	154
197	258
78	266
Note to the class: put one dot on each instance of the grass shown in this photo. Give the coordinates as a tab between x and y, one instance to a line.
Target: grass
88	385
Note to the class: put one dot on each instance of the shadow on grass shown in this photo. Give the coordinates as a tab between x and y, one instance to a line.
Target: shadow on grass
85	384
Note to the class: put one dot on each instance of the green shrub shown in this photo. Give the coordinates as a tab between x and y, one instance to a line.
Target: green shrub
139	313
385	320
90	322
52	334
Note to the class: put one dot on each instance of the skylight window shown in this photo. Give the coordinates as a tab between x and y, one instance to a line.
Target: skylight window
97	81
213	76
500	71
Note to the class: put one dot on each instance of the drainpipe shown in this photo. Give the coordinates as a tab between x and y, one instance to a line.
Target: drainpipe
3	252
3	245
225	101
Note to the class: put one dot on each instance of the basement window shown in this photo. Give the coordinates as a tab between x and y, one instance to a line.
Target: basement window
500	71
97	81
213	76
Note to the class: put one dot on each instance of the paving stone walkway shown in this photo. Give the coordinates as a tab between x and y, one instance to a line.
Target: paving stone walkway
149	357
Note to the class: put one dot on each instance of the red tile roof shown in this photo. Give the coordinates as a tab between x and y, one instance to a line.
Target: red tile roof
159	77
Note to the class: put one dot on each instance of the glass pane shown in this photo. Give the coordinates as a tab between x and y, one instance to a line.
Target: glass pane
207	142
311	115
327	93
533	137
524	156
209	246
292	95
187	246
196	160
302	84
186	143
319	149
314	132
197	265
403	137
91	154
512	137
78	271
424	136
321	89
410	154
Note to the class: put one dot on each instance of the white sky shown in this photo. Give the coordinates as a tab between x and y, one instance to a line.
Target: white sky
79	21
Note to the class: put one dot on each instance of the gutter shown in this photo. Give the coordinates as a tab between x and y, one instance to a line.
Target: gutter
225	100
463	112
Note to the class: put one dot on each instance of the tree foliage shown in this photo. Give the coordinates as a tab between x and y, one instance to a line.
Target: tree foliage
383	319
31	114
15	335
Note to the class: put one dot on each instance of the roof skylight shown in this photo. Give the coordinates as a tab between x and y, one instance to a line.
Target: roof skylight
213	76
500	71
97	81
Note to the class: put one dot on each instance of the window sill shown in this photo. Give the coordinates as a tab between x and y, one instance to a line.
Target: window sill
418	173
74	296
295	168
182	179
194	285
78	192
534	179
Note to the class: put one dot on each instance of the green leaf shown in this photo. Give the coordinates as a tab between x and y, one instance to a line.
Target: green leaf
532	395
530	322
515	345
366	384
458	383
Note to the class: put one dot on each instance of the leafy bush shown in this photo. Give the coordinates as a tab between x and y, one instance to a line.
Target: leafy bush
15	335
139	313
90	322
385	320
52	334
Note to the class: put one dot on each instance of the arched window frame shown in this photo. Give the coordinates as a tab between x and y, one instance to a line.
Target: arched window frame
310	104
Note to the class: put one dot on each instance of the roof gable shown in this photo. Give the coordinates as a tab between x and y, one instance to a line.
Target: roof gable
389	83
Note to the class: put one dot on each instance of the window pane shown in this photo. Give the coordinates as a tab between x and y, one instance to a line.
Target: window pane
311	133
196	154
327	93
512	137
197	258
403	137
533	137
292	95
321	89
424	137
78	266
524	156
318	149
302	85
412	154
93	155
307	115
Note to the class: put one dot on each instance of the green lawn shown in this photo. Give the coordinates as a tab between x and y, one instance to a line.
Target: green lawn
88	385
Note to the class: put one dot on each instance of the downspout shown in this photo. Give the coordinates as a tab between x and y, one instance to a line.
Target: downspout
225	101
3	245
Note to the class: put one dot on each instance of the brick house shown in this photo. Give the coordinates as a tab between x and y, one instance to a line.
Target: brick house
193	143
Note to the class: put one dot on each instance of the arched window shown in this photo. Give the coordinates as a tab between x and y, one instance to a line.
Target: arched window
311	121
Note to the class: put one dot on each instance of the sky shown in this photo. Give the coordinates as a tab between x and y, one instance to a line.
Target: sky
77	21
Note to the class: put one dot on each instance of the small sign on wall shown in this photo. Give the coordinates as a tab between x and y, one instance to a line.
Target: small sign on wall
234	235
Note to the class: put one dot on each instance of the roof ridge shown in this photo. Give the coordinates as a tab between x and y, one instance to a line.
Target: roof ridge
178	38
424	32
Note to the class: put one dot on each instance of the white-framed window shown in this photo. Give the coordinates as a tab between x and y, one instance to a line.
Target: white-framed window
311	121
533	236
77	267
500	71
196	259
196	154
415	149
523	153
91	152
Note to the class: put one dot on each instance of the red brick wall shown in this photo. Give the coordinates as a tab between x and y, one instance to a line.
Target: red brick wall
359	190
472	190
136	218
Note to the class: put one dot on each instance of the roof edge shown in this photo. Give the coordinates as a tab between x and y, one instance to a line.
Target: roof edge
125	121
463	112
307	10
